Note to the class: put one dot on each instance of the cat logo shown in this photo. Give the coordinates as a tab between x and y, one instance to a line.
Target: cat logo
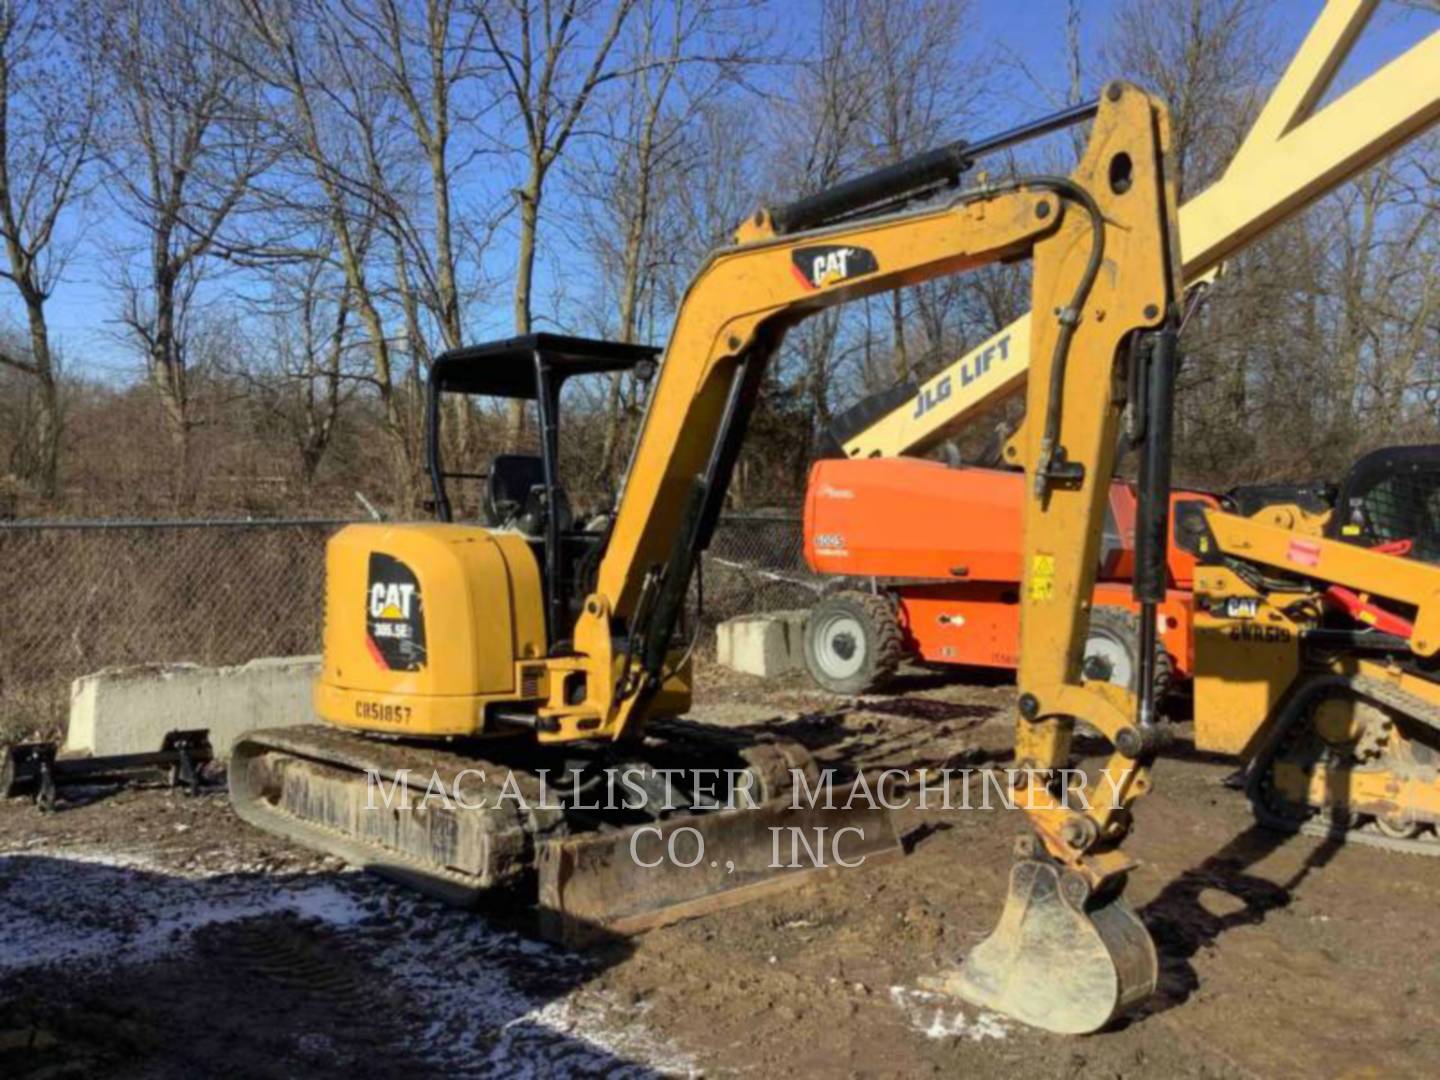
820	267
391	601
395	615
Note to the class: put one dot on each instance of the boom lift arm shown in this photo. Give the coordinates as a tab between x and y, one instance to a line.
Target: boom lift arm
1293	155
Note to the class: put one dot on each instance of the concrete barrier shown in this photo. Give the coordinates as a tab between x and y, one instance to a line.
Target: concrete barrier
130	710
766	645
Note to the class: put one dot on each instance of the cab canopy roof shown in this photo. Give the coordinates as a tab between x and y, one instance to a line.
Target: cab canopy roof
511	368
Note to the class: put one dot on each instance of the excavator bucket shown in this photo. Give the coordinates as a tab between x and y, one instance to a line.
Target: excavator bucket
1057	960
613	883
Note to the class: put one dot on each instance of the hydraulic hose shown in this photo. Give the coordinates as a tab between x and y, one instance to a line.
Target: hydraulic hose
1069	318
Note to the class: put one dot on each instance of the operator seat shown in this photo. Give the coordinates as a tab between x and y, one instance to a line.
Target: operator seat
515	495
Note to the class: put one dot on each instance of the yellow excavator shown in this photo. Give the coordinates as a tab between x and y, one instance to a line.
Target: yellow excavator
481	659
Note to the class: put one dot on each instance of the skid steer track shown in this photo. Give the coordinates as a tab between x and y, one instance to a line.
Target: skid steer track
461	827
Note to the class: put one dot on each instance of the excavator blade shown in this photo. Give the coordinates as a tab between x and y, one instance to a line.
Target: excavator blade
323	788
1057	960
625	881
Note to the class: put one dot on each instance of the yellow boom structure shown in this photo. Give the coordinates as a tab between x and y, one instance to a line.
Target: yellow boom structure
1292	156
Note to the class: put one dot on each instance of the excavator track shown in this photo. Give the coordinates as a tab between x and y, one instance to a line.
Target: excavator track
511	824
1274	812
364	800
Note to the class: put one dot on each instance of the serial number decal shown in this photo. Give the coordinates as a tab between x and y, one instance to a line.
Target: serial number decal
382	712
1274	635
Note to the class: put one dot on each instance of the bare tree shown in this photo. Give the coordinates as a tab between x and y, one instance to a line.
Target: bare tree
641	152
48	107
357	87
331	112
300	372
885	82
1206	59
912	57
549	71
1382	268
182	158
428	58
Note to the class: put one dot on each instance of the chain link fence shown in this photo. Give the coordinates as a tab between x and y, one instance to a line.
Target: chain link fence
82	596
756	562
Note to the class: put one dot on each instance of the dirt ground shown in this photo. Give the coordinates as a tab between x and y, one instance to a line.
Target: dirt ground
148	934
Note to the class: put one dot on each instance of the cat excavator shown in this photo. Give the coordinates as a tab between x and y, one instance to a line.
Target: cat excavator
483	659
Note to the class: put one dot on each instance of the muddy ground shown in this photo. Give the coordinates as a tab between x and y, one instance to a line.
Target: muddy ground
147	934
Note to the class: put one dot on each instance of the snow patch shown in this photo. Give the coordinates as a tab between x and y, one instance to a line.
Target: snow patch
493	1002
82	905
936	1016
463	960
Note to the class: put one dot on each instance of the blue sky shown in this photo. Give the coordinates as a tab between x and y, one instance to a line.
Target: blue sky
81	310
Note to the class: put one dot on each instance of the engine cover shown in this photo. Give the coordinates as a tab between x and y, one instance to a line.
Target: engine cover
428	624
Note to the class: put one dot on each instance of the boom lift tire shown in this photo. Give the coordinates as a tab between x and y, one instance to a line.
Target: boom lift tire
853	643
1112	652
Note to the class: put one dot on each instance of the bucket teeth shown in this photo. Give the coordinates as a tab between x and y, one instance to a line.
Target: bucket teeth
1058	959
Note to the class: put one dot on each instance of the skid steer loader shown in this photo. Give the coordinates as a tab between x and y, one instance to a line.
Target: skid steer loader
1316	645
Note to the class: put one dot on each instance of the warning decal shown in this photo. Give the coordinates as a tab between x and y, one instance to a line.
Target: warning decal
1042	578
1303	553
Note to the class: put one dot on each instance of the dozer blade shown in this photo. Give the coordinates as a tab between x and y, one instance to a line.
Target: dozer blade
1056	960
365	801
629	880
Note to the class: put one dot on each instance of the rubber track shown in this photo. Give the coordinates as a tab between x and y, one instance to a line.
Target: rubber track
1382	694
515	832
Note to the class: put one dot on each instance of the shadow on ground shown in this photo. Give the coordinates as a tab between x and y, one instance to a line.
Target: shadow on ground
1182	923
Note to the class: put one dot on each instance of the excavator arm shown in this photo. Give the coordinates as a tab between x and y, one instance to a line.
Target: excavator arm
1103	243
1107	276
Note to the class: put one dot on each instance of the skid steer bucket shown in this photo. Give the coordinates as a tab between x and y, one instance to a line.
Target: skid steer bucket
624	881
1058	960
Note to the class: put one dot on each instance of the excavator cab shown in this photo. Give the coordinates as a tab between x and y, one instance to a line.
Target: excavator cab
525	492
